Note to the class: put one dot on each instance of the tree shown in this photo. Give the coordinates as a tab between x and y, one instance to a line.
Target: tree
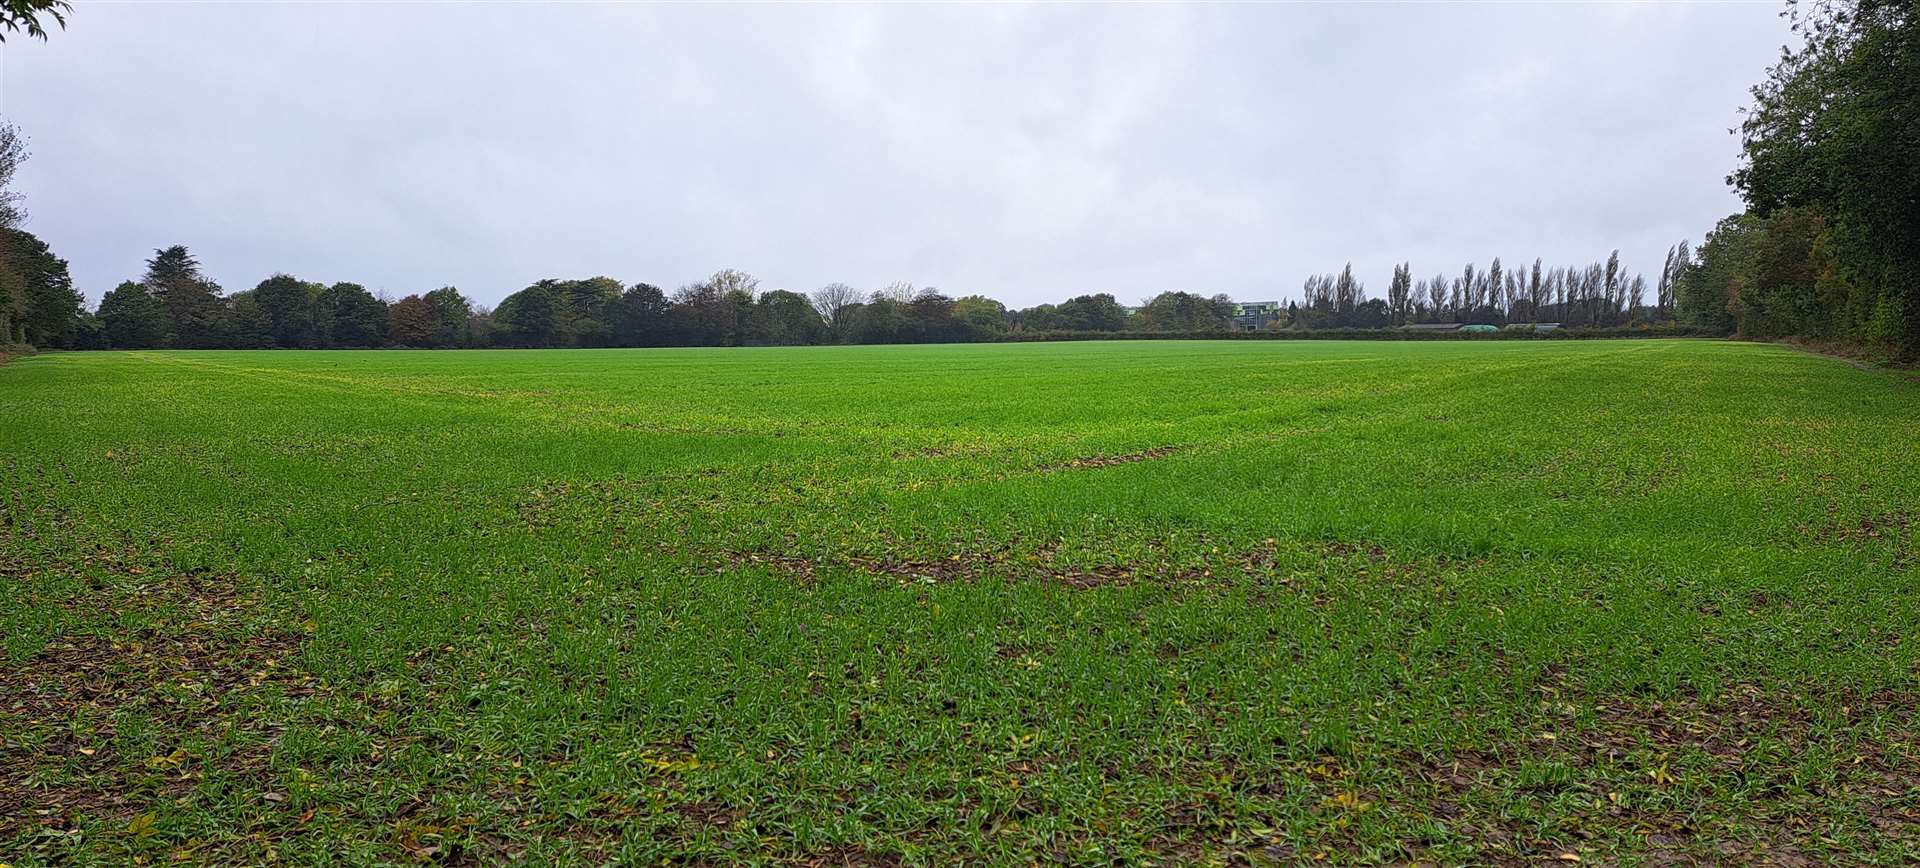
1536	291
698	316
244	324
587	311
1636	296
832	300
1460	297
411	322
899	290
1780	286
18	15
728	280
88	332
192	301
789	319
1373	314
881	320
38	303
347	315
1318	292
528	318
13	290
452	318
13	307
717	311
13	153
932	319
1185	312
1100	312
1569	296
1679	259
480	327
1347	292
1613	287
1463	287
1437	296
50	308
288	305
985	318
749	329
1041	318
550	313
1496	282
1832	129
640	319
1592	282
1704	296
132	318
1400	294
1663	289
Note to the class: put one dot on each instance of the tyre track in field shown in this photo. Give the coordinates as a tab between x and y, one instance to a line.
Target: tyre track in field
859	463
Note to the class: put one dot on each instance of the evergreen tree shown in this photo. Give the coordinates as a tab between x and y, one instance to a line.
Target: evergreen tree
194	310
51	308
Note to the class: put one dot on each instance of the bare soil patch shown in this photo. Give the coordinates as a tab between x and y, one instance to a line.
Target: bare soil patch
1090	461
1261	562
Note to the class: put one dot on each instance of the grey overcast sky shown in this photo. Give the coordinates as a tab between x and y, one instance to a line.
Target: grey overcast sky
1027	152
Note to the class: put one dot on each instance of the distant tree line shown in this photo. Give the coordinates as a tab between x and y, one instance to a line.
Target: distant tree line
175	305
1600	295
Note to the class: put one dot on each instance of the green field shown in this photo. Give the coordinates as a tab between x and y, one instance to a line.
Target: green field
1453	602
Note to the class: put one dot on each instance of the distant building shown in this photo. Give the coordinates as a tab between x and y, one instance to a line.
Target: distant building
1532	326
1252	316
1432	327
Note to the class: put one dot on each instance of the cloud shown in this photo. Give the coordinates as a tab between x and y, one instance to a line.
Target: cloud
1028	152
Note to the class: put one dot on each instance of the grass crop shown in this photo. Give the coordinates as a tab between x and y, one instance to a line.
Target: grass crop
1461	603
